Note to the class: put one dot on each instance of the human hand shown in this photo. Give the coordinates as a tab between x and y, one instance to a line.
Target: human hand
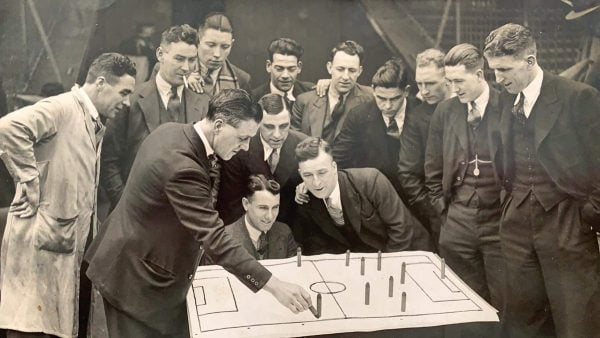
301	194
322	86
195	82
27	199
292	296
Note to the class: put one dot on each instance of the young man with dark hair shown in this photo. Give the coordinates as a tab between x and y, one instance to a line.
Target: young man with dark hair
551	173
324	116
162	99
51	149
258	231
459	174
271	153
284	65
350	209
144	258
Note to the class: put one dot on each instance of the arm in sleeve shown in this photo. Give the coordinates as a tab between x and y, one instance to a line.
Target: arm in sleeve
348	141
297	112
434	161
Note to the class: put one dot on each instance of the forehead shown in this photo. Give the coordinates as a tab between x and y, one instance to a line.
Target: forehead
323	161
505	61
281	118
181	48
387	92
458	71
429	73
281	59
264	197
246	128
214	35
345	60
124	82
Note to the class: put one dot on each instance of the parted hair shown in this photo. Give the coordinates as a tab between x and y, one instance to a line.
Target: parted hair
392	74
349	47
112	66
259	183
309	148
184	33
217	21
430	56
272	103
233	106
285	46
465	54
511	39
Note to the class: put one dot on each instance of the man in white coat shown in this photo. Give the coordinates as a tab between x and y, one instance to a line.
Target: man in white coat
52	149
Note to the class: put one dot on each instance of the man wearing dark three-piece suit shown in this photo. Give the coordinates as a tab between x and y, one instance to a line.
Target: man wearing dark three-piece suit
551	173
161	99
146	253
271	153
324	116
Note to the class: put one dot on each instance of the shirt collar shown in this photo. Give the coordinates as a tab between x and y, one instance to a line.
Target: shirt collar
207	146
399	116
266	147
532	91
334	197
252	231
482	100
87	102
276	90
164	88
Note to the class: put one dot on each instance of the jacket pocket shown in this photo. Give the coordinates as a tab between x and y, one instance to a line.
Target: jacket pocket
54	234
160	277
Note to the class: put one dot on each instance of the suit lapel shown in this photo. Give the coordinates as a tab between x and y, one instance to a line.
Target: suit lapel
239	227
458	124
350	201
150	104
195	106
287	163
319	112
492	113
545	112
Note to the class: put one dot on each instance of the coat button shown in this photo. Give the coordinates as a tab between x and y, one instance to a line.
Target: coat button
190	276
247	276
462	162
252	280
458	178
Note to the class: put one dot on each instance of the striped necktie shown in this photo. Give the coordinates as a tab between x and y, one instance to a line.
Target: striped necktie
337	215
215	177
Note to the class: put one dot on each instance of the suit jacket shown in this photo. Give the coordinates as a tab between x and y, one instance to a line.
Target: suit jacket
566	119
447	155
300	87
280	239
310	110
145	256
374	210
363	141
235	172
126	132
55	141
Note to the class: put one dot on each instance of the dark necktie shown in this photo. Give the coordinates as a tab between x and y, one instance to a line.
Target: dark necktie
474	116
215	177
392	129
263	245
174	105
273	160
338	109
518	110
337	215
289	103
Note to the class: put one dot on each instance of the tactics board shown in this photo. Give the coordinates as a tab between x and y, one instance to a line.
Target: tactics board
219	305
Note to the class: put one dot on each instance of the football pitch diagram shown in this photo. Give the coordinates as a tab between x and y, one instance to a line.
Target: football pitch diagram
358	291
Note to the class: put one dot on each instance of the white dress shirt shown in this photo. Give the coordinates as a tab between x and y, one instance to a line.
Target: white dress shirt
481	101
531	92
275	90
164	90
207	146
399	117
252	231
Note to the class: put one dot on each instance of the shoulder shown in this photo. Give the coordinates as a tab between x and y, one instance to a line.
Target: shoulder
241	74
363	177
361	90
309	96
296	137
260	91
304	86
281	228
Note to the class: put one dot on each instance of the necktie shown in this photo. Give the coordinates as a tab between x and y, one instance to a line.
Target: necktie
338	109
288	101
474	116
215	177
263	245
174	104
336	213
392	129
273	160
518	110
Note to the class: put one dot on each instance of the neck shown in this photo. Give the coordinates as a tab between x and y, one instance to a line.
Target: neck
90	91
532	74
207	129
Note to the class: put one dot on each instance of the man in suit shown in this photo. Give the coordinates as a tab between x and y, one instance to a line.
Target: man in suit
377	124
430	78
52	149
284	65
551	173
258	231
324	116
351	209
216	72
271	153
459	171
145	256
162	99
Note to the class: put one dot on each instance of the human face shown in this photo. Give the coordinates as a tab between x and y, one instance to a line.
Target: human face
274	129
344	70
214	47
319	175
177	59
262	209
229	140
112	98
284	70
513	72
432	84
389	100
467	84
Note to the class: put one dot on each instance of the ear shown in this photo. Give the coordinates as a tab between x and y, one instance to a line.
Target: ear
245	203
334	165
100	82
218	126
531	60
160	54
360	69
406	90
329	67
299	67
480	75
268	67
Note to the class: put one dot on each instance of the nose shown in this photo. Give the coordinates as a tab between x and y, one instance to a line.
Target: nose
217	52
499	78
277	133
269	215
387	105
186	65
245	145
316	181
127	102
285	74
425	89
346	74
